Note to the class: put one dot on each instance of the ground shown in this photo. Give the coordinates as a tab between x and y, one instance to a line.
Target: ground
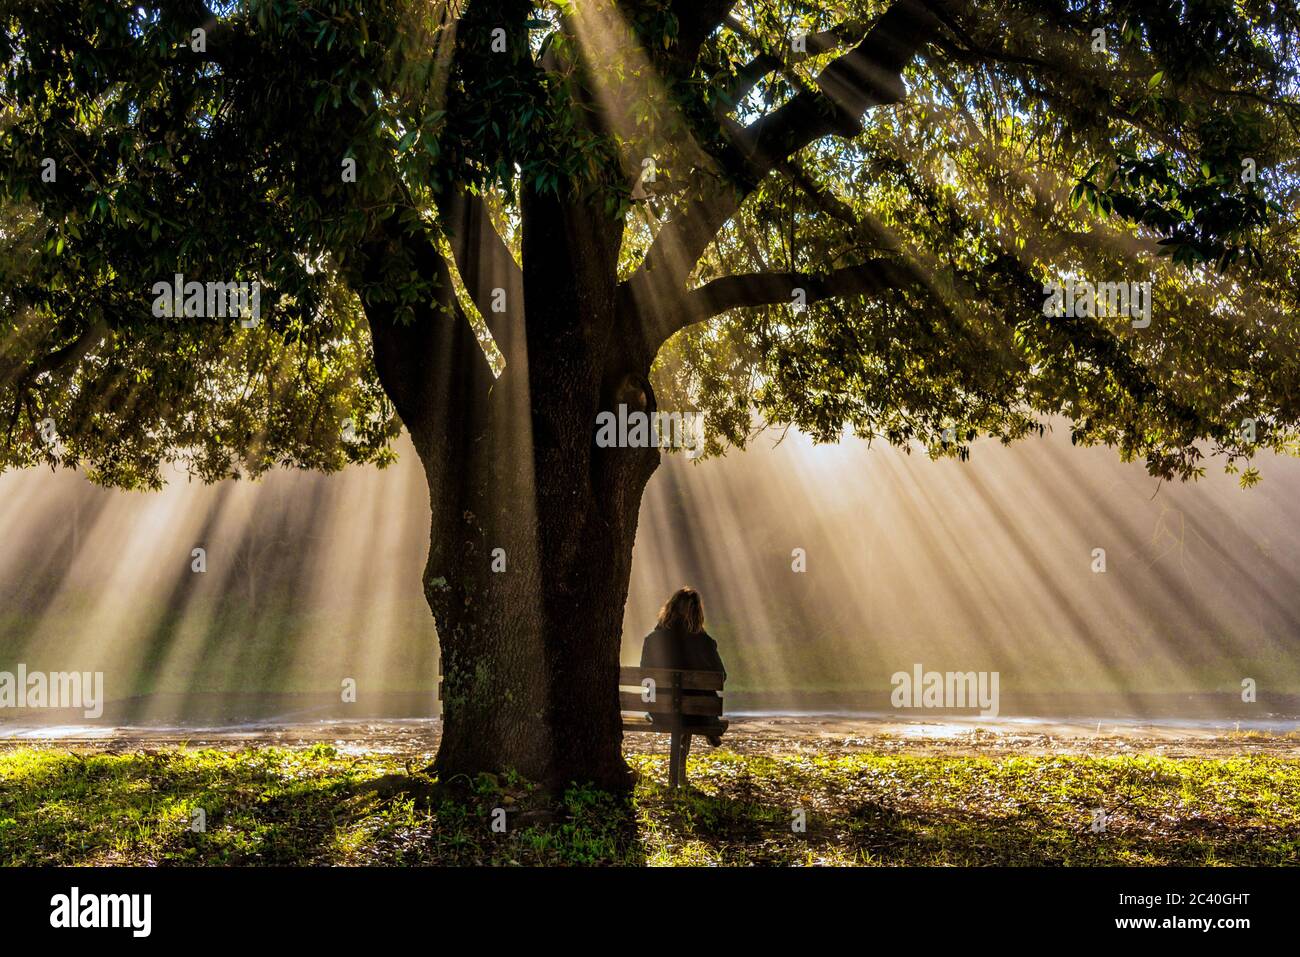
868	793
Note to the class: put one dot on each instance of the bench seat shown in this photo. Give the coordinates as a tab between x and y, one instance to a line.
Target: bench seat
659	692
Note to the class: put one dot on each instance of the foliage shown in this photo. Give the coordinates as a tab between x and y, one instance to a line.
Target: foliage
1019	153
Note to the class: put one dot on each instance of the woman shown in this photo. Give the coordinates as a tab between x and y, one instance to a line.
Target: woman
680	642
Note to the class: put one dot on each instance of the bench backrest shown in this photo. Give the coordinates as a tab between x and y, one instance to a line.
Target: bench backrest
659	691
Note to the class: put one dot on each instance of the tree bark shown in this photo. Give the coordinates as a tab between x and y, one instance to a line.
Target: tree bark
533	525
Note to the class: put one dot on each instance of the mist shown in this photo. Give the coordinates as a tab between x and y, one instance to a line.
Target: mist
824	570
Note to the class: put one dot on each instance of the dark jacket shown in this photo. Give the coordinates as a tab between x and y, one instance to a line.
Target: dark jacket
667	649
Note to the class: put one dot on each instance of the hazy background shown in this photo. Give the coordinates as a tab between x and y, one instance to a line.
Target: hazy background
983	565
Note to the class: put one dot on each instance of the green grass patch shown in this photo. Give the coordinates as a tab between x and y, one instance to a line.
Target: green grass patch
318	806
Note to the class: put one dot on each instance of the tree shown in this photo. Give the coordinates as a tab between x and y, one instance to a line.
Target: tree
494	221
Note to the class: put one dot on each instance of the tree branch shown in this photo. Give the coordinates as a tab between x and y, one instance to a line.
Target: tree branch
696	19
778	288
430	363
60	360
486	265
766	62
868	75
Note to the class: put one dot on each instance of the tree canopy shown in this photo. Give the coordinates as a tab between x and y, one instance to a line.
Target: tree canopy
915	173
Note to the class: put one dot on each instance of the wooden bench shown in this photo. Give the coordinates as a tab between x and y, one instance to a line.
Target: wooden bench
658	691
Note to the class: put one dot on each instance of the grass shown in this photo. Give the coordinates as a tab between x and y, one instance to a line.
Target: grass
319	806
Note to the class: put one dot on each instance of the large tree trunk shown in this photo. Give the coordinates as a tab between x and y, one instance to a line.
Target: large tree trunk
533	525
530	654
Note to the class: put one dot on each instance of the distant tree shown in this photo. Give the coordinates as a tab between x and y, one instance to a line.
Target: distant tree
494	221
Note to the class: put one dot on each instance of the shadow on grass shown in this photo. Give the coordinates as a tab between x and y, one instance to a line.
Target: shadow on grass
786	816
275	807
316	806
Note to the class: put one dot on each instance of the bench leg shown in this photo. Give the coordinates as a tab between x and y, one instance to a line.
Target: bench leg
674	759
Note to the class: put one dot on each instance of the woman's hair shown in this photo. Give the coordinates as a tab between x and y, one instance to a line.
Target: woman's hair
683	612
